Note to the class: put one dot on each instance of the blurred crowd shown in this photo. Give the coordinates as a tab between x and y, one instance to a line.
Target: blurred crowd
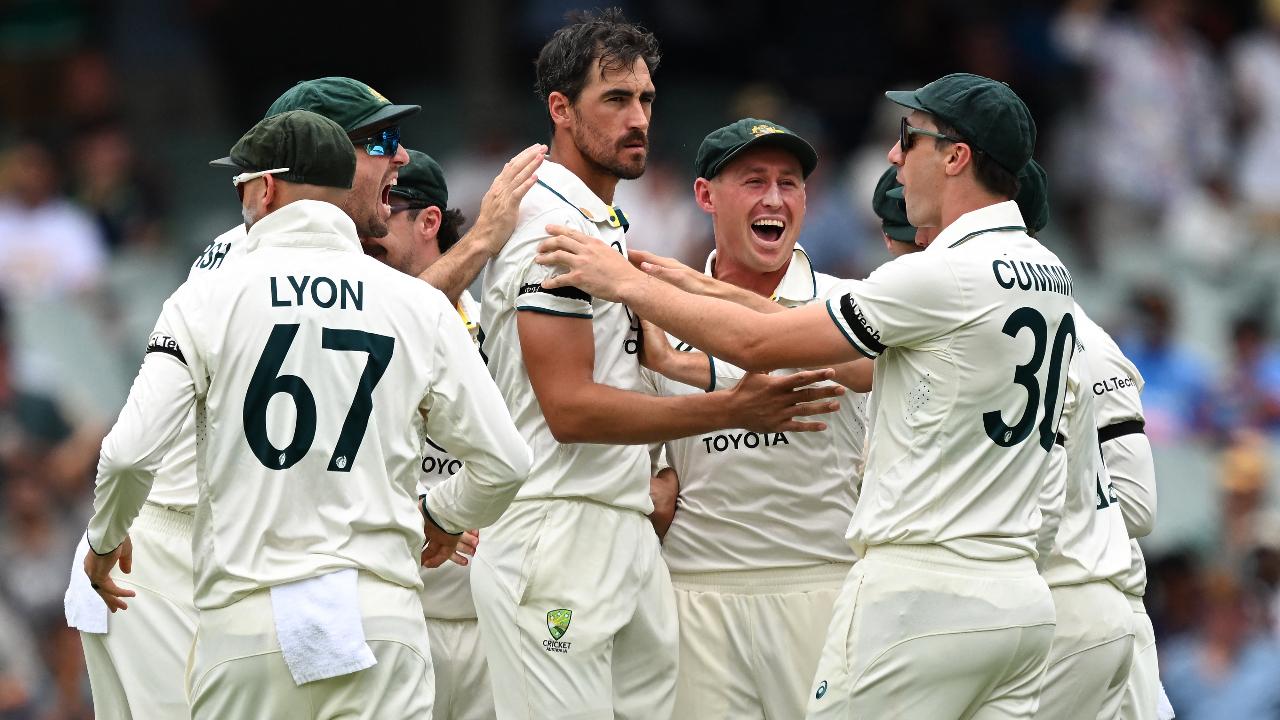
1159	126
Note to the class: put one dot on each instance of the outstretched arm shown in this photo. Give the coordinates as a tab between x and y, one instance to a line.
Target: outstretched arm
458	268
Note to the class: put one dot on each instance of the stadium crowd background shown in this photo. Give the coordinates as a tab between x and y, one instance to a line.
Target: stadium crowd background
1159	125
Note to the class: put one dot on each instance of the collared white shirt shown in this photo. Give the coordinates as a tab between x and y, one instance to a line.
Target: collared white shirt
315	372
751	501
616	475
965	333
1116	386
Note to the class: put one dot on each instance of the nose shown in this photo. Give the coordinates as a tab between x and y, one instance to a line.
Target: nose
638	119
401	157
896	156
772	196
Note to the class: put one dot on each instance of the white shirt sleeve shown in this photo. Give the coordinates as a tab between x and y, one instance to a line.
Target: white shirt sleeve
529	293
467	417
162	396
902	304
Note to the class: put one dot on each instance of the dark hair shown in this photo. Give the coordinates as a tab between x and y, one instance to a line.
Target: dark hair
451	221
991	175
606	37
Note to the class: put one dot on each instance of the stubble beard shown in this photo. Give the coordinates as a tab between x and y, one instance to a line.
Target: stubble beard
605	156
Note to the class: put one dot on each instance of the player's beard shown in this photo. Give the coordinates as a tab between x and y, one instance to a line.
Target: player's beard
250	217
606	155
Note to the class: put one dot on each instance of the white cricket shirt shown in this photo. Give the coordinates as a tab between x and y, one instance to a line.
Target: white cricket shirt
1090	542
175	482
446	592
315	372
616	475
968	335
1116	386
751	501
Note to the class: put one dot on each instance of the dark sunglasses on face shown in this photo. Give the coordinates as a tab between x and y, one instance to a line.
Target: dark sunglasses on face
907	133
383	143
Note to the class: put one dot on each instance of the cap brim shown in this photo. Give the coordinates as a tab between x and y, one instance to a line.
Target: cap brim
901	233
906	98
226	162
793	144
386	115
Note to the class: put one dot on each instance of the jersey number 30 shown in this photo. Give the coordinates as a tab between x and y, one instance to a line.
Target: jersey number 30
267	382
1026	318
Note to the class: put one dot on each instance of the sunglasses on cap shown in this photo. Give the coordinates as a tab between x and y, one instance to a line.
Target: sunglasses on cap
243	178
907	133
383	143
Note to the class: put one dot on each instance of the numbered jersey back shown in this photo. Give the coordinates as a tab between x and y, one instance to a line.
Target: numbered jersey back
973	340
312	367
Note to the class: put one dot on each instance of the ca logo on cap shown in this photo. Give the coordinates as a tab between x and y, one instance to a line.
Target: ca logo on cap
377	95
759	130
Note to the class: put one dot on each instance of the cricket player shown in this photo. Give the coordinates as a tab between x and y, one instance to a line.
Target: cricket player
757	540
138	669
1083	541
574	601
1115	385
308	522
422	229
973	337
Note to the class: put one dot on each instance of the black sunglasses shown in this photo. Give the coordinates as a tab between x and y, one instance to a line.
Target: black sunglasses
907	133
383	143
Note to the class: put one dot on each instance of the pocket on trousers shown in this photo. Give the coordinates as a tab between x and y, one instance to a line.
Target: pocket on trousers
848	614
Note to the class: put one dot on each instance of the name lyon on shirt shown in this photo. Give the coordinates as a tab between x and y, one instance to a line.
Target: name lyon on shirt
324	292
749	440
1031	276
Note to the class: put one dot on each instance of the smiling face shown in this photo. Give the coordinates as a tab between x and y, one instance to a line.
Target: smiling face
757	205
609	122
410	244
368	203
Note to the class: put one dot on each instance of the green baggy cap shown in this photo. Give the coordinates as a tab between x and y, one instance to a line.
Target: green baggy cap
723	145
350	103
891	208
988	115
314	148
422	182
1033	196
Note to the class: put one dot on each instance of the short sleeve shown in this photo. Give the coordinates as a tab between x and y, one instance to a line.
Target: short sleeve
903	303
529	293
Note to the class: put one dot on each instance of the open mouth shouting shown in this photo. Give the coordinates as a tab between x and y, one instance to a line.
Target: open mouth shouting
768	230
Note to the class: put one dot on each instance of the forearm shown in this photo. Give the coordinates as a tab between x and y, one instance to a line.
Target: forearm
1132	471
454	271
606	415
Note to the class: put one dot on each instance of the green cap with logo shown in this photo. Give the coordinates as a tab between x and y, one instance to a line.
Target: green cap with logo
988	115
352	104
723	145
891	208
1033	196
313	149
422	183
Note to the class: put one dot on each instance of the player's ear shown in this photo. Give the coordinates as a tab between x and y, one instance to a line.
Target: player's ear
702	195
428	222
959	156
559	105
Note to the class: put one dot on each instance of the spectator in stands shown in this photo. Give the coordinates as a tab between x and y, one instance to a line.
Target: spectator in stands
1175	397
1248	396
108	184
1254	60
49	247
1157	121
1228	669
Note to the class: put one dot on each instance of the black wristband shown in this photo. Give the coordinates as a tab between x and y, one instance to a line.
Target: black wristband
422	503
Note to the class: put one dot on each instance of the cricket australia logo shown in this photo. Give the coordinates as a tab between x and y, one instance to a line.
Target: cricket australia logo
558	624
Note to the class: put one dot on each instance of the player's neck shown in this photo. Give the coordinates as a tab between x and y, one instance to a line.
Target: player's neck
597	179
965	200
735	273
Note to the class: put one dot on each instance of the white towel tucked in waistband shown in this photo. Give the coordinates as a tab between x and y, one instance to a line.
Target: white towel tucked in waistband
1164	711
84	608
319	627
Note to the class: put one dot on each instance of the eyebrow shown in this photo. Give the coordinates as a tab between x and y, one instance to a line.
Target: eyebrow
625	92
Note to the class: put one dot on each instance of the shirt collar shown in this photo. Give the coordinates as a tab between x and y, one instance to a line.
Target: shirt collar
1003	216
570	188
305	223
799	284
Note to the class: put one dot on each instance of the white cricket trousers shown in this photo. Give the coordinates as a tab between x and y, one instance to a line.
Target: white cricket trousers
463	691
750	640
1091	655
922	633
238	670
1142	690
138	668
576	612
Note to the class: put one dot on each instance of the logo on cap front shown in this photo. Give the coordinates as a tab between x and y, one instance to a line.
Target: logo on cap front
759	130
378	96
